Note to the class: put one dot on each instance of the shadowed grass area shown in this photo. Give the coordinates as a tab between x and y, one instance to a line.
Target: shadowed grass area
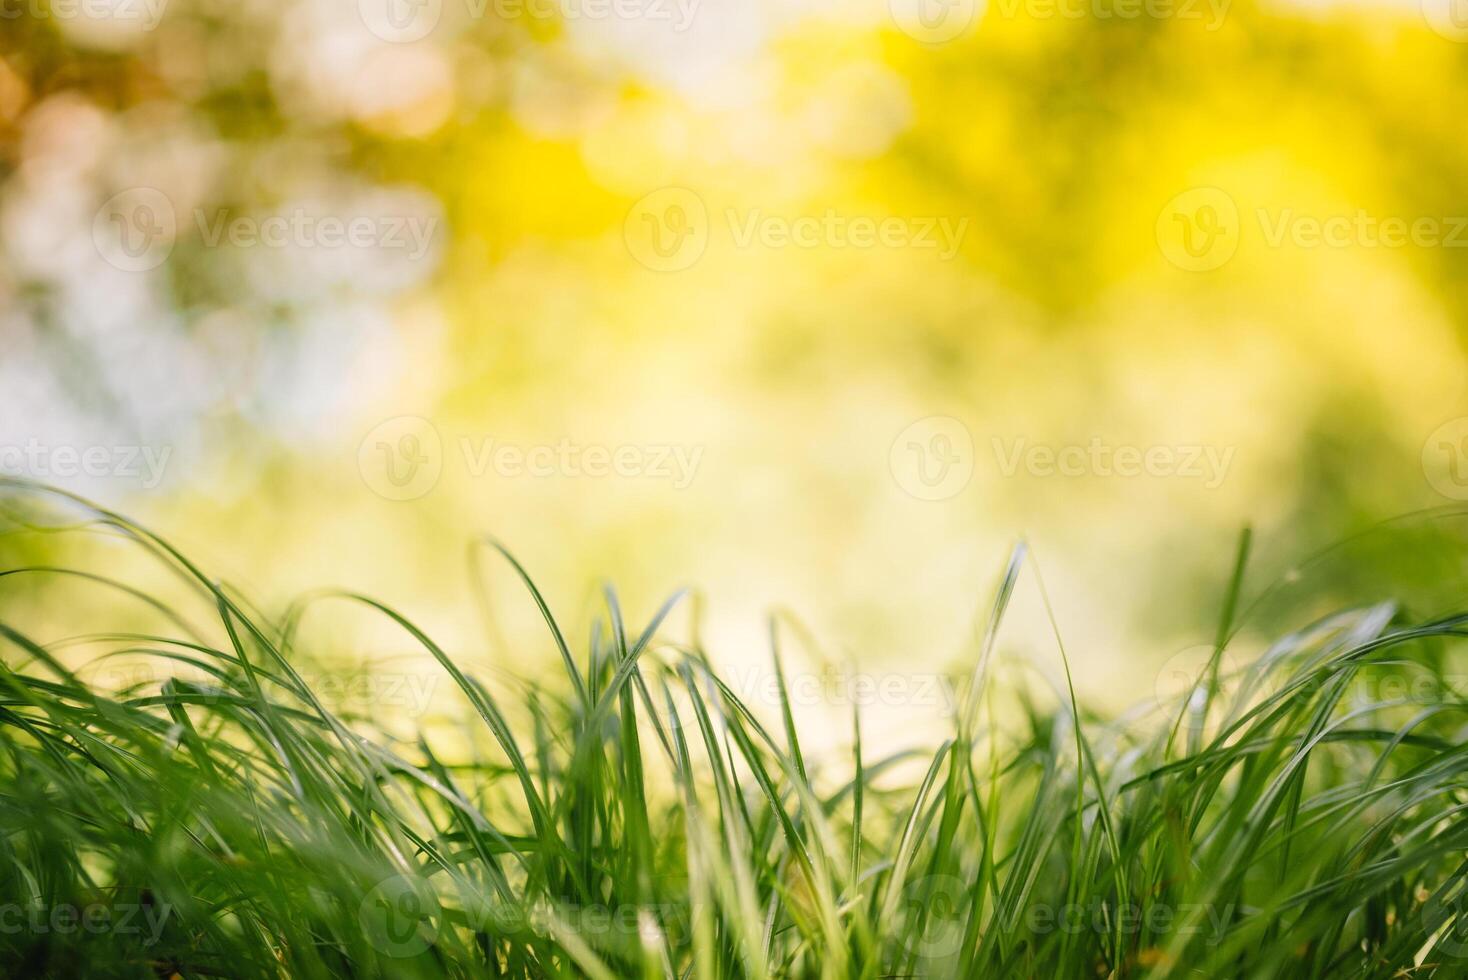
1299	816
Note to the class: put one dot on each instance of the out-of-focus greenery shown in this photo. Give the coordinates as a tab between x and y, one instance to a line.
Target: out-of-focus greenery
532	316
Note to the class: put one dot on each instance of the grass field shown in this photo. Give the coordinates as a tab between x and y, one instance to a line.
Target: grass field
1299	815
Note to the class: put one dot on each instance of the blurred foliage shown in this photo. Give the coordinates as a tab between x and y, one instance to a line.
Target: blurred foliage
525	143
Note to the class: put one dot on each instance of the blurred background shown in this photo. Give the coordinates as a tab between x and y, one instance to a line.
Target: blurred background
809	304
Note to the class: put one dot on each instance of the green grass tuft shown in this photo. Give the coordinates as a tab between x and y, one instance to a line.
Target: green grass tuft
1302	816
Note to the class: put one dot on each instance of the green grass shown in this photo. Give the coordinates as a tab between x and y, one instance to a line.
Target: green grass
1300	816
